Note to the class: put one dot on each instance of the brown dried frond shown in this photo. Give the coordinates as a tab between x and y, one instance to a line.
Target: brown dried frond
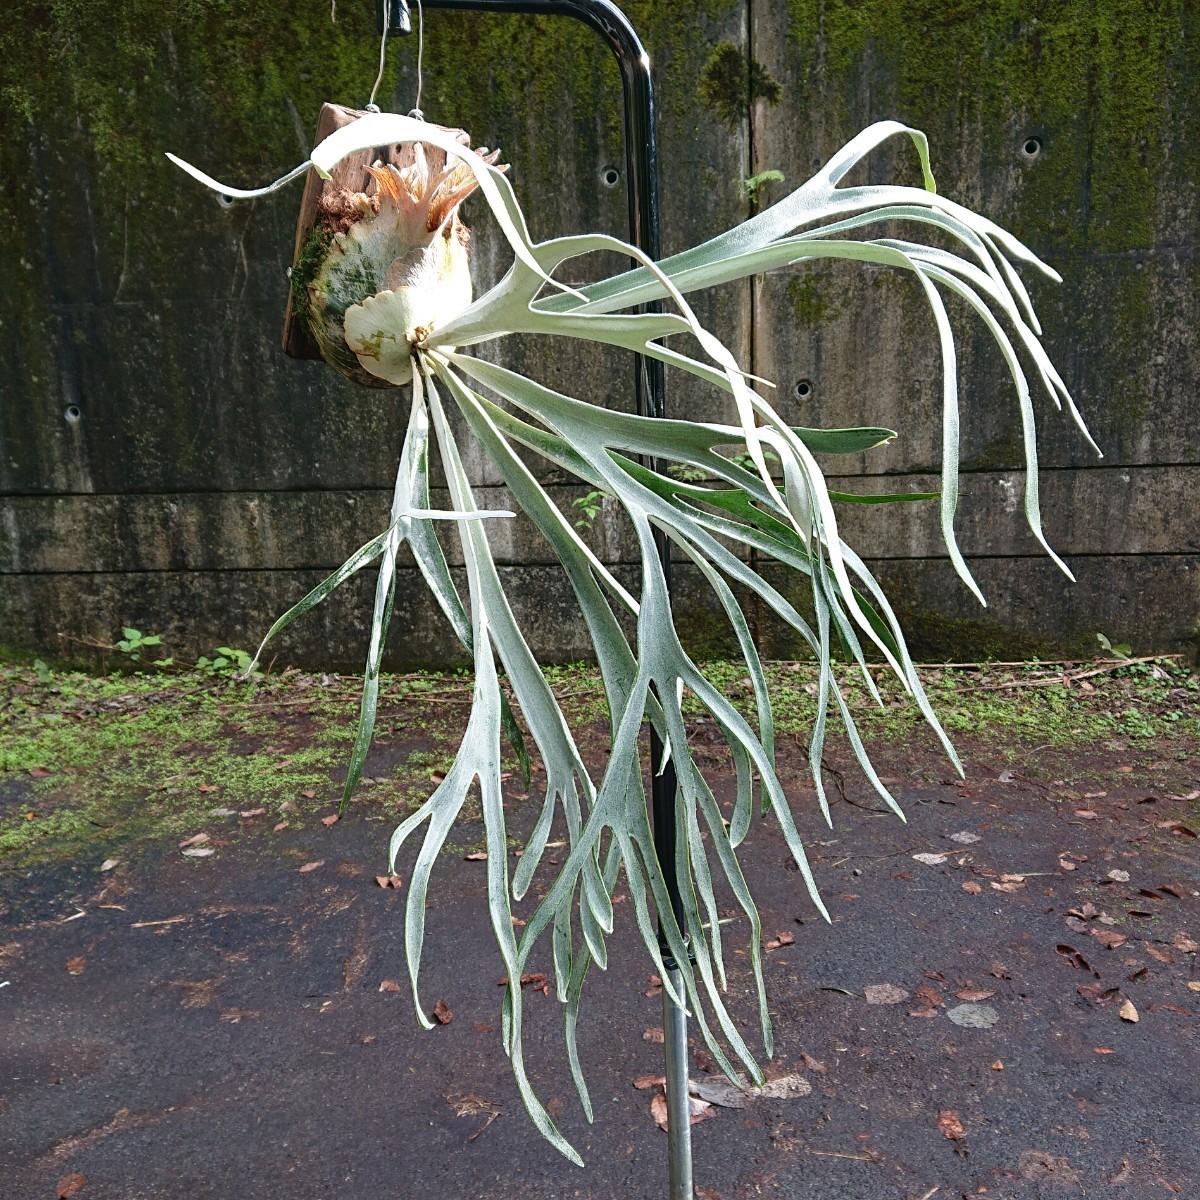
454	185
387	181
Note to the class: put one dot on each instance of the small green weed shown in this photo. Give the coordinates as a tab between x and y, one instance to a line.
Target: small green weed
589	507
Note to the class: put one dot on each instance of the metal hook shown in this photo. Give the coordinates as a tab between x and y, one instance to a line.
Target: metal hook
399	19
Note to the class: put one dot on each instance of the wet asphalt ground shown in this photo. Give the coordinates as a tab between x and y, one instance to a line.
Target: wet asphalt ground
224	1027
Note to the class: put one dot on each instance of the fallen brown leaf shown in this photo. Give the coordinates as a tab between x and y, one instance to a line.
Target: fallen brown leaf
813	1065
786	1087
1184	944
1010	885
332	819
1129	1013
1158	955
698	1110
309	794
928	996
282	825
234	1015
1067	865
1121	1175
974	995
1102	1050
655	988
311	866
76	966
1076	959
442	1013
1086	814
39	772
476	856
643	1082
1109	938
197	839
932	860
653	1035
949	1123
1194	985
389	881
922	1012
469	1105
972	887
536	980
68	1185
252	812
884	993
997	1065
1097	993
1038	1164
389	985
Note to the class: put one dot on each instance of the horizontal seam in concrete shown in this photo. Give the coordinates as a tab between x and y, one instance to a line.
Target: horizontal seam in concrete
330	567
387	491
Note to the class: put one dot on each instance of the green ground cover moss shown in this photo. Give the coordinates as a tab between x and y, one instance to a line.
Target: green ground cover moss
90	764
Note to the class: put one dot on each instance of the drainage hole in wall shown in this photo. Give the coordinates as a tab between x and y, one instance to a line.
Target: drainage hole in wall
803	389
610	177
72	414
1032	147
224	201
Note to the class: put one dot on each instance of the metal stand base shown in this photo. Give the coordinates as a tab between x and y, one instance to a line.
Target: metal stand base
679	1124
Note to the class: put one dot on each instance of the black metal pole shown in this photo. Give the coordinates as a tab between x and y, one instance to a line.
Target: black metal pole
641	172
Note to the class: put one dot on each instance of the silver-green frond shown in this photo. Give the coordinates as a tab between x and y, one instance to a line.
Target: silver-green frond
762	490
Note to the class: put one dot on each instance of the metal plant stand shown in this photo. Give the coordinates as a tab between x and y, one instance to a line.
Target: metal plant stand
641	172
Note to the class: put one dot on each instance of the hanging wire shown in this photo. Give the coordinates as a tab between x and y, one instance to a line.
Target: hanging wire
383	41
416	108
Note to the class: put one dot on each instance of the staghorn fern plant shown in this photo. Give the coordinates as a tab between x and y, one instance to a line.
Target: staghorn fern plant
408	320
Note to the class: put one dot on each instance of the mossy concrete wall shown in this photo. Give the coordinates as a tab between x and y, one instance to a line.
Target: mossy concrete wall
163	465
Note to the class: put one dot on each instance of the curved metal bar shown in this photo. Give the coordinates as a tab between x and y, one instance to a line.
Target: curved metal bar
641	147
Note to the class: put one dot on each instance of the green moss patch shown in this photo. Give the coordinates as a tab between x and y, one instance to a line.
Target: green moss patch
92	766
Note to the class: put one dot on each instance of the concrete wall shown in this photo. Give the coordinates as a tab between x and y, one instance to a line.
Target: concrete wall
163	465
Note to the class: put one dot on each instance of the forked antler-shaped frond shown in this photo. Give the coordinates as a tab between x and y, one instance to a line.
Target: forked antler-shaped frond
786	514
